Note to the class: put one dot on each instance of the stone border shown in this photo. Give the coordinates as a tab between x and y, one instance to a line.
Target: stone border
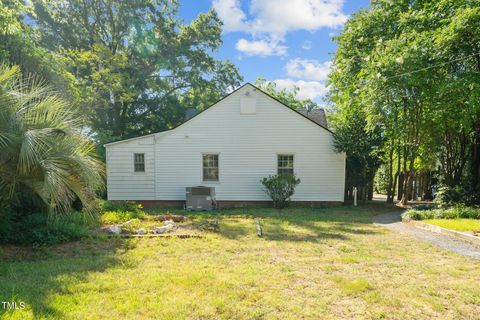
474	240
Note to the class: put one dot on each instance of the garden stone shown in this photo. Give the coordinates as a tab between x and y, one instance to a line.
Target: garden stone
164	229
141	231
115	230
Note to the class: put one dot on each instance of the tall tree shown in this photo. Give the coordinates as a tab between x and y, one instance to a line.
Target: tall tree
45	158
404	65
134	66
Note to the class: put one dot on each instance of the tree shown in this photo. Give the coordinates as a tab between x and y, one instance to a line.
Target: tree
133	66
18	47
288	97
45	158
404	66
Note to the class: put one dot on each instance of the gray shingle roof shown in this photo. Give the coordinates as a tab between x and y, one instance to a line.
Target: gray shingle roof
316	115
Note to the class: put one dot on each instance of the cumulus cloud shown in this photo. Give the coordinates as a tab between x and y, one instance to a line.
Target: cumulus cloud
261	48
231	14
308	69
307	89
272	19
279	17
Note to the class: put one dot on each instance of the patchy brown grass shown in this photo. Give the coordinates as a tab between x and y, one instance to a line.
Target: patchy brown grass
311	264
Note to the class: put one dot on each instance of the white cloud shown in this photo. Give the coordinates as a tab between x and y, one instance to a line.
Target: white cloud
307	45
308	69
307	89
280	17
261	47
273	16
231	14
272	19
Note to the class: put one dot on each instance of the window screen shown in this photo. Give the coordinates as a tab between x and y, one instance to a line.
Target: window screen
285	164
139	162
210	167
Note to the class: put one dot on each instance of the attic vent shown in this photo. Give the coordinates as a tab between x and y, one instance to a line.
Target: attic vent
248	105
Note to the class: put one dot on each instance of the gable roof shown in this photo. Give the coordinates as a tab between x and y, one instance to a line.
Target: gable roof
316	116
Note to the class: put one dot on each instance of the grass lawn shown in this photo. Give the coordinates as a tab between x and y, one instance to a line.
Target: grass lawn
456	224
311	264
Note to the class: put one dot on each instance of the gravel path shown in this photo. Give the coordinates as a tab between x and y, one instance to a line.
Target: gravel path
393	221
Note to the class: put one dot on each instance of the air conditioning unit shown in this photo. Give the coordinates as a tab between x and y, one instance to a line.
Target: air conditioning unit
200	198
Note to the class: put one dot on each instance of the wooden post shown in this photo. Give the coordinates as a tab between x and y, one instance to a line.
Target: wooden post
259	227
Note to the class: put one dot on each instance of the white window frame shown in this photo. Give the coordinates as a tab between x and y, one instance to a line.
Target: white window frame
284	168
135	163
218	167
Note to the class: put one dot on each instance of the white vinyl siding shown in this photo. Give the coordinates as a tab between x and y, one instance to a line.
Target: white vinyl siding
248	147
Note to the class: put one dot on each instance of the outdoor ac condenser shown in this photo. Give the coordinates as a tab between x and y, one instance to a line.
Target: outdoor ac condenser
200	198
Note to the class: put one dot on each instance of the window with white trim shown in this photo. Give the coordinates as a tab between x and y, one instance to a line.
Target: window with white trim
139	162
285	164
210	167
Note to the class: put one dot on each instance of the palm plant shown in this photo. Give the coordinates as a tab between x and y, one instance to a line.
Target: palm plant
43	153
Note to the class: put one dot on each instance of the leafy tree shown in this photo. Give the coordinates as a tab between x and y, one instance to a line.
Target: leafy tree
18	47
288	97
133	66
46	162
404	66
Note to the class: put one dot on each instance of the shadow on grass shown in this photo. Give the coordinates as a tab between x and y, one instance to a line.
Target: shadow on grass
302	224
33	276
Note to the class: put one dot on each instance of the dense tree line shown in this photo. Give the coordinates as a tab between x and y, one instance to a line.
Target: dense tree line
405	83
94	72
131	67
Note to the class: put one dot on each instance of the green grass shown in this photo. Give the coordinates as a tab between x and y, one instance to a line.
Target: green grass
311	264
456	224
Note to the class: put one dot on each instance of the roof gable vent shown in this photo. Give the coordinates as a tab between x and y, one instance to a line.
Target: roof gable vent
248	105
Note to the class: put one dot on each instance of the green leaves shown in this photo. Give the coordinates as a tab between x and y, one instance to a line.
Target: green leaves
133	66
43	149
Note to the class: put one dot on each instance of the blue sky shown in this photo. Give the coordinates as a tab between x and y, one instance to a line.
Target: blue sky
286	41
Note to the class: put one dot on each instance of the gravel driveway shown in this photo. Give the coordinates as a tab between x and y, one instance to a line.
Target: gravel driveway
393	221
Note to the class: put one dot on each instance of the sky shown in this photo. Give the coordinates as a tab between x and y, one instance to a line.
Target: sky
285	41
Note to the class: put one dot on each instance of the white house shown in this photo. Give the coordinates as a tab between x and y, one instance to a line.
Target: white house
246	136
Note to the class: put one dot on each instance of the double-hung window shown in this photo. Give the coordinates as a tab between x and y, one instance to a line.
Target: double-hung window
210	167
139	162
285	164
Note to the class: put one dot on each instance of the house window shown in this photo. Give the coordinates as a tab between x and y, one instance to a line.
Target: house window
210	167
139	162
285	164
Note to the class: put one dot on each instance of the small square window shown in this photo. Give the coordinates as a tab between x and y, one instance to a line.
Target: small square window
210	167
139	162
285	164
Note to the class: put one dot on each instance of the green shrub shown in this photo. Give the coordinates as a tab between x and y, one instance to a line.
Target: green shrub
422	207
38	228
115	217
462	194
450	213
280	188
107	205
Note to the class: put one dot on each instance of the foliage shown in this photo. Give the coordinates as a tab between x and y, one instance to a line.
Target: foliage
45	157
401	68
280	188
39	229
116	217
460	194
107	205
458	212
133	66
287	97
